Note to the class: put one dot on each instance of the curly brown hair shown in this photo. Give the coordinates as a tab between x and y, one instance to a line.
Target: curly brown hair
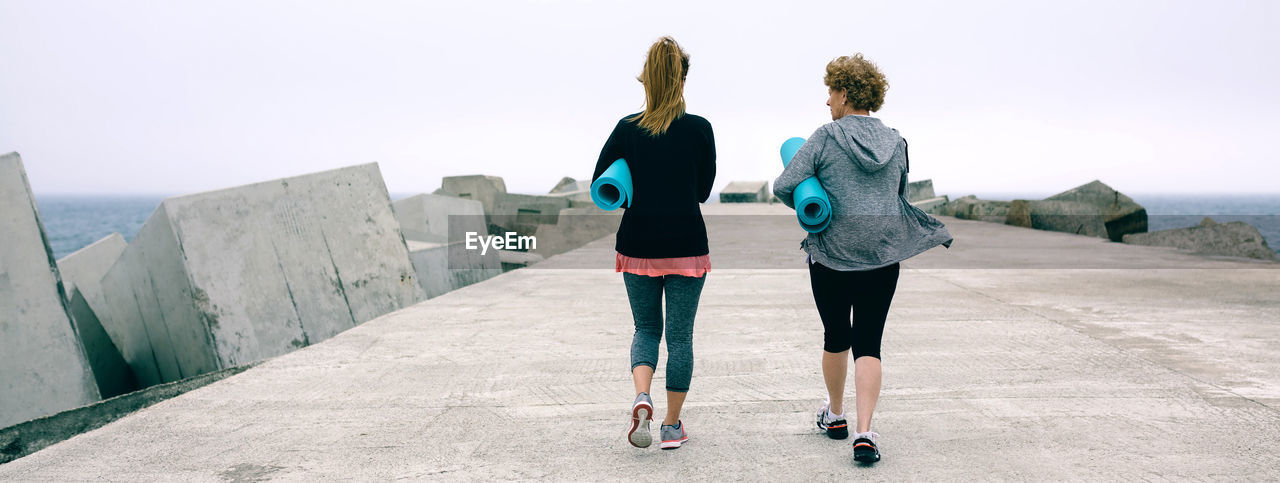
862	81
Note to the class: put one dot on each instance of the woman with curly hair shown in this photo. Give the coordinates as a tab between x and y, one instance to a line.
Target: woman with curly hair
662	240
853	263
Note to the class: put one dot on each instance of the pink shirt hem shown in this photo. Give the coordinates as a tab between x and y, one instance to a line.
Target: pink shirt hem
657	267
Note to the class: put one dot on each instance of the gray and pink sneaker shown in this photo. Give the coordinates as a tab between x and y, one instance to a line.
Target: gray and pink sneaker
673	436
641	413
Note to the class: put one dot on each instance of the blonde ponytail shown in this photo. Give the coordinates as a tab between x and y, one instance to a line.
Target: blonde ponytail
664	72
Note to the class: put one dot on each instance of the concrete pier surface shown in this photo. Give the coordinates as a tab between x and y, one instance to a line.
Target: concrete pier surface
1001	360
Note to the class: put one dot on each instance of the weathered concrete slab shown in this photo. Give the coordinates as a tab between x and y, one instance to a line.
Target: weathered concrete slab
110	371
746	192
82	273
950	208
1121	214
512	259
920	190
43	367
447	266
1054	215
578	192
146	287
933	206
1070	375
576	198
523	213
484	189
570	185
576	227
84	268
436	229
429	218
516	213
224	278
1233	239
972	208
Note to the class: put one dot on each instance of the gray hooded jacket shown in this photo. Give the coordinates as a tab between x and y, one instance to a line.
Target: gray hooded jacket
862	164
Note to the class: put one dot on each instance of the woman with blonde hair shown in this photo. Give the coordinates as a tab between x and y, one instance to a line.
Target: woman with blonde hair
662	240
853	264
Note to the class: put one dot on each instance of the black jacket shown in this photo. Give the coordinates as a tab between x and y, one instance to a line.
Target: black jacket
670	174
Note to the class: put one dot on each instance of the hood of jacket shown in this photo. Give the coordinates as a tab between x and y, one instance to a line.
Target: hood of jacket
866	140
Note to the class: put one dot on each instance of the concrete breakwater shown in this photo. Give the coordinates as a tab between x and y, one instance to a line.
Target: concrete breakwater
1097	210
1017	373
219	279
230	277
225	278
1092	209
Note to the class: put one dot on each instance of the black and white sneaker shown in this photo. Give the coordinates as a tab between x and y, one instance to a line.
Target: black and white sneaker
864	447
835	426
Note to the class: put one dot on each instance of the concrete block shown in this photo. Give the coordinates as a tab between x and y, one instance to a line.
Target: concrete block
110	371
224	278
484	189
1053	215
972	208
746	192
920	190
1234	239
569	185
512	260
522	213
576	198
578	192
82	273
43	367
933	205
1120	213
950	208
448	266
576	227
429	218
435	228
84	268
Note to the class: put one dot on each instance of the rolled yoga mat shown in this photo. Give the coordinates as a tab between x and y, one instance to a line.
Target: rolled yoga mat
813	207
613	188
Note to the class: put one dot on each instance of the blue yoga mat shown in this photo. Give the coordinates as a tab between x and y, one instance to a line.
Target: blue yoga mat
813	207
613	188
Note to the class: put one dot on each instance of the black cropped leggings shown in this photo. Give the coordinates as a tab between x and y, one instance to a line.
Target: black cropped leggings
865	294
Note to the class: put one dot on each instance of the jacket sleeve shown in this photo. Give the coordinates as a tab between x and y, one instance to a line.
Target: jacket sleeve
803	165
707	169
611	152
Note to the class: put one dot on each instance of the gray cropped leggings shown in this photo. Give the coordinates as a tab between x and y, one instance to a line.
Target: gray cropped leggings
645	294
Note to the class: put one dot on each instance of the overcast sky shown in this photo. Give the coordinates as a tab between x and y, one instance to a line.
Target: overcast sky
178	97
